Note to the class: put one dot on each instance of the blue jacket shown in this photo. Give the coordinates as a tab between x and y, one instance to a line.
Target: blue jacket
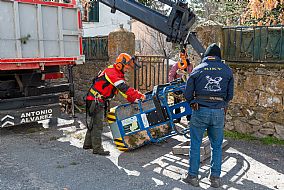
211	78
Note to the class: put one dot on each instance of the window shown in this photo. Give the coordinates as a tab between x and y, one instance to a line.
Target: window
93	13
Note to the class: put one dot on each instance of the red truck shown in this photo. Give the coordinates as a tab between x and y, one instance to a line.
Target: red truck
36	38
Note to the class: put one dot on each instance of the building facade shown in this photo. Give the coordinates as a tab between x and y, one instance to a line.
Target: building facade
99	21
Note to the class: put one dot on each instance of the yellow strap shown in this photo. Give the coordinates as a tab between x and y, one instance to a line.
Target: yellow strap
96	94
124	95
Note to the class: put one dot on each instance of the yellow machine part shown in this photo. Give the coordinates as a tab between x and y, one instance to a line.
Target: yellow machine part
120	145
117	141
111	116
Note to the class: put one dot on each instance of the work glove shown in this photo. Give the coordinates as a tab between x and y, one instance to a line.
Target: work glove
143	97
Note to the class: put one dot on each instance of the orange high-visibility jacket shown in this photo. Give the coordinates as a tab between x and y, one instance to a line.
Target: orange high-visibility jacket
109	83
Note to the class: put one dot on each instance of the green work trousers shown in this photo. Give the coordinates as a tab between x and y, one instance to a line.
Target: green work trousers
93	136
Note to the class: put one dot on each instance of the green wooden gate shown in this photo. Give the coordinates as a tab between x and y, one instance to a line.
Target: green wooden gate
95	48
253	44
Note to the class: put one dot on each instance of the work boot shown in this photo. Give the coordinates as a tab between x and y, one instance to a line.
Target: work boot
86	147
192	180
215	181
101	151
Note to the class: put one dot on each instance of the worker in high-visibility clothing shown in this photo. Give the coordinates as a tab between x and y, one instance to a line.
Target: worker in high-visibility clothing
105	86
180	69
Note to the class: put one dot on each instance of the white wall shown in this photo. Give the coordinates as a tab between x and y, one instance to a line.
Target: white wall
149	41
108	22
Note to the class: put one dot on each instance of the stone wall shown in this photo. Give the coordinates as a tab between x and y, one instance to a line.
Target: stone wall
258	104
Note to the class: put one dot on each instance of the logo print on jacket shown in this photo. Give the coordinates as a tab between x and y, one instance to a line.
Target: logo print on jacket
213	84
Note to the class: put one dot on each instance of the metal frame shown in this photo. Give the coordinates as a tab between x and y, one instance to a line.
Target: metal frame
162	112
175	26
151	65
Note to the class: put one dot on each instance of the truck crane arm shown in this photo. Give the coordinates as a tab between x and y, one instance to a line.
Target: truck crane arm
175	26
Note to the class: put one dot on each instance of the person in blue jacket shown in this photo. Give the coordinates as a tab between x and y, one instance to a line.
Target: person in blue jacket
209	89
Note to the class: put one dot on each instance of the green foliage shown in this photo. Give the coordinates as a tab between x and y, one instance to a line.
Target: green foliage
222	11
266	140
155	5
264	13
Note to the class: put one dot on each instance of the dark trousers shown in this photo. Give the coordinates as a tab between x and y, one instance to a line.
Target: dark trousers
95	129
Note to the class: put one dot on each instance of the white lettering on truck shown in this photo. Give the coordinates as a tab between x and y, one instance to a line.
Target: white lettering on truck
36	115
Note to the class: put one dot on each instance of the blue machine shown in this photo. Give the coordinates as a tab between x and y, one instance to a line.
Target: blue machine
151	120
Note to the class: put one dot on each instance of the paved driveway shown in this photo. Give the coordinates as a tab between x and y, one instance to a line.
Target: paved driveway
37	158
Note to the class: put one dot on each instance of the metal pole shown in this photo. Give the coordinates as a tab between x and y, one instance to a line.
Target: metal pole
72	90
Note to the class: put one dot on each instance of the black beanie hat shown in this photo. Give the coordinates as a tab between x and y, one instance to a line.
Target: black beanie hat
213	50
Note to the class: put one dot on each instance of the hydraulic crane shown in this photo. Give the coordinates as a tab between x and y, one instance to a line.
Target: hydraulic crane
175	26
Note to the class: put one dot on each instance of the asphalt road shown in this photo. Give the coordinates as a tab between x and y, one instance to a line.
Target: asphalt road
37	158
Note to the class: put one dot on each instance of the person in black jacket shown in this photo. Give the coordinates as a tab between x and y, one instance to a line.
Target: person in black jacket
209	89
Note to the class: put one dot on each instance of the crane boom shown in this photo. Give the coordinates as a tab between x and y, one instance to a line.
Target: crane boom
175	26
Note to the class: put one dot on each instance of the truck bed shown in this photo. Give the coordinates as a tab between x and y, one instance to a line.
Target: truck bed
39	31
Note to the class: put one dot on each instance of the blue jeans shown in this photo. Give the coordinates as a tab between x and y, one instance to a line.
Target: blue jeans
213	121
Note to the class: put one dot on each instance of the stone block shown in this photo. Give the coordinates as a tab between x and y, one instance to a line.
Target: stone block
236	111
255	128
252	98
269	125
277	117
240	97
205	149
262	113
204	157
275	85
238	81
254	122
229	126
120	41
280	131
255	82
262	71
258	135
272	101
181	150
248	112
228	117
267	131
242	127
